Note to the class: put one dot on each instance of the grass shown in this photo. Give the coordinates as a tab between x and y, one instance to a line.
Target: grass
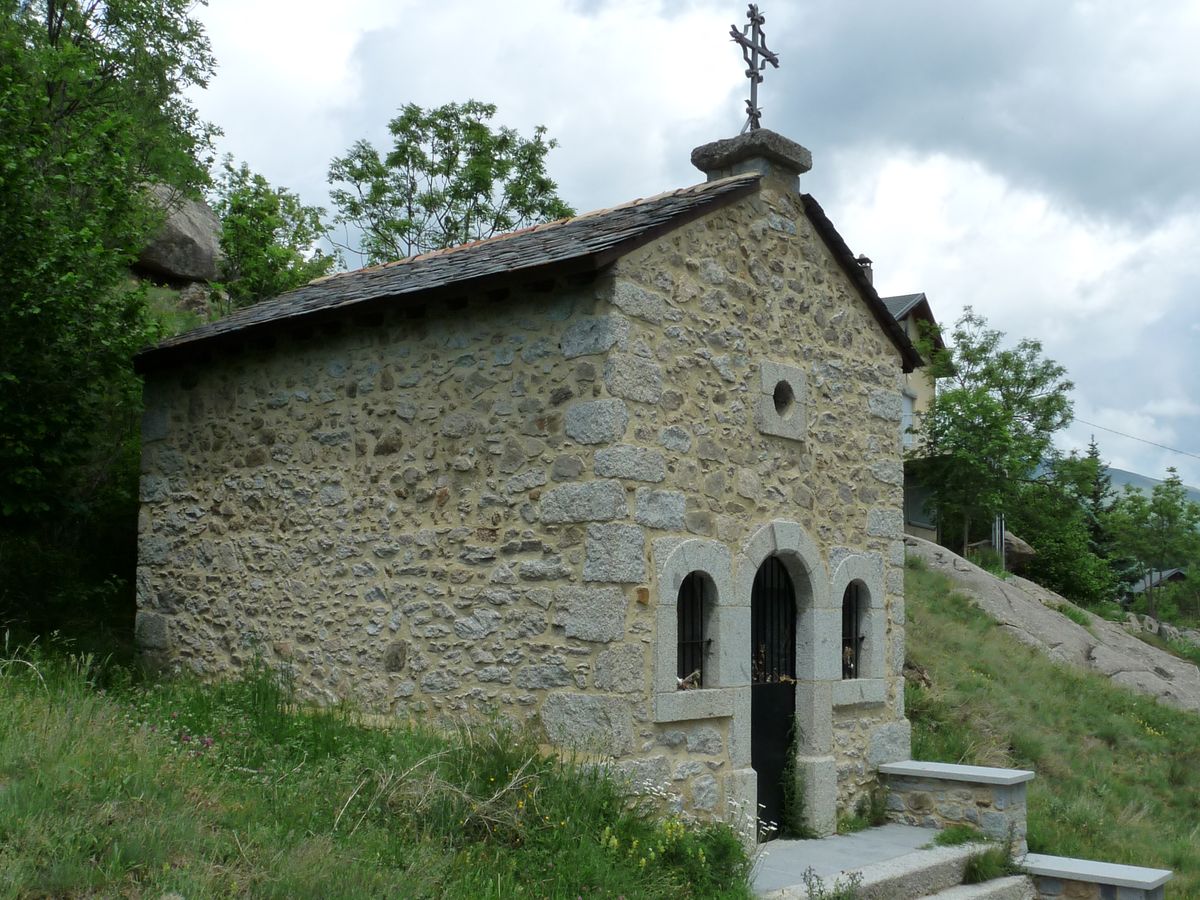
842	888
113	788
988	560
1074	613
986	865
957	835
1182	649
870	812
1118	774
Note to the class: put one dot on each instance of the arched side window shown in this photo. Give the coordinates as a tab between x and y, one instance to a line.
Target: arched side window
854	631
693	633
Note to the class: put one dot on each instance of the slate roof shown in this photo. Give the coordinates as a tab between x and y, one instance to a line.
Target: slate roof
582	243
902	305
1155	578
587	241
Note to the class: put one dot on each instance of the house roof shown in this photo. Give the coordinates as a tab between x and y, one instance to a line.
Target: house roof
1155	578
582	243
902	306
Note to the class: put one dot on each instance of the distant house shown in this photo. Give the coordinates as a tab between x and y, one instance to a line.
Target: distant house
1155	579
912	311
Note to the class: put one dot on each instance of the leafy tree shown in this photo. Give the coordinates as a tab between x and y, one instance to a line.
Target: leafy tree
1052	513
1159	531
92	107
991	421
269	239
448	179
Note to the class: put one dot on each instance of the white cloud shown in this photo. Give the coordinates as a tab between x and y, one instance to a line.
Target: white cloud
1046	177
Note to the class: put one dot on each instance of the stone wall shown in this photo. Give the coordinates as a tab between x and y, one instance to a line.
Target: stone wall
711	306
465	507
998	810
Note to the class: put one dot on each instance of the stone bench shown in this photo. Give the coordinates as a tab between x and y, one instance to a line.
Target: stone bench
1061	876
938	795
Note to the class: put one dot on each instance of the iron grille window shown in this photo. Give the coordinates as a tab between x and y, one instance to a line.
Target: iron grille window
773	625
852	631
693	641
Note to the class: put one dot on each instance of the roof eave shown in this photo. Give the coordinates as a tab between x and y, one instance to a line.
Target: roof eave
161	356
910	358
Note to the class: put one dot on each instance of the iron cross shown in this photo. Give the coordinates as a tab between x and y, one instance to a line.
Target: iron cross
754	48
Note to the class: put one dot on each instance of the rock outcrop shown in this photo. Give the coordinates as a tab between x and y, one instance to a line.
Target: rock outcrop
187	246
1030	613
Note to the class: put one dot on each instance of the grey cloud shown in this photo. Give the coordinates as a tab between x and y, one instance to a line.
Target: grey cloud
1049	95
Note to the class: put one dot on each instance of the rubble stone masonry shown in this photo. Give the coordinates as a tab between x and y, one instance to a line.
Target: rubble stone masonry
458	508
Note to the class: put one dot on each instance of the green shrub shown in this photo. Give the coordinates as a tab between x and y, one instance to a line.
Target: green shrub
794	824
847	889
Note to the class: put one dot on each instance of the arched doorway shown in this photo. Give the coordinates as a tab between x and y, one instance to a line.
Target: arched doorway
773	685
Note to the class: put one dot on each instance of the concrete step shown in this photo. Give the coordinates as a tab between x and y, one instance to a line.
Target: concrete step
921	873
1015	887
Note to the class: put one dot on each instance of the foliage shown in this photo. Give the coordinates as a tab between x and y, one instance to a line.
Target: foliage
991	421
1054	514
92	107
989	560
1159	532
448	179
1074	613
112	788
869	812
957	835
986	865
794	824
841	889
269	239
1118	774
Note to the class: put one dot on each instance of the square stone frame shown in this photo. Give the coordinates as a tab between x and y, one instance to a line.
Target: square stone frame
792	421
871	687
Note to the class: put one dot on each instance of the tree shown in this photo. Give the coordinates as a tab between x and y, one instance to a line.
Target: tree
92	107
991	421
1160	531
269	239
448	179
1052	512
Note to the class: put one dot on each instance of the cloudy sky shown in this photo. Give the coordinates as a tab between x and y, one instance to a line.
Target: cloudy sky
1039	161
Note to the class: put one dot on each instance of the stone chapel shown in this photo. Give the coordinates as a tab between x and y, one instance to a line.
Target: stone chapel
633	478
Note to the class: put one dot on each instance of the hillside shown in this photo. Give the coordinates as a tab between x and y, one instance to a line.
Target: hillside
1120	478
1066	633
1118	773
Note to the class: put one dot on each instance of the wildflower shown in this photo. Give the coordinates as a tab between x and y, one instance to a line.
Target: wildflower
206	741
185	737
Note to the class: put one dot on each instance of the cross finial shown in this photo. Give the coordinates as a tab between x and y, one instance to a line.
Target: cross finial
754	48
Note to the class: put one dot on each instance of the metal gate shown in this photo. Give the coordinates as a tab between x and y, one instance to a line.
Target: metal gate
773	685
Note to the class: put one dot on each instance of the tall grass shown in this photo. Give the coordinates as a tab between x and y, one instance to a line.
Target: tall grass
111	788
1118	775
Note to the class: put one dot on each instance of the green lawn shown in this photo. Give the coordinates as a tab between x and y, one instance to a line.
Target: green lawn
1118	776
108	788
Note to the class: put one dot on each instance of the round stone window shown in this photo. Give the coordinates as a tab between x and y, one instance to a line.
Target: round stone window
785	399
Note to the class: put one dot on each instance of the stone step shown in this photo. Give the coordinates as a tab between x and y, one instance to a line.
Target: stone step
1015	887
918	874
